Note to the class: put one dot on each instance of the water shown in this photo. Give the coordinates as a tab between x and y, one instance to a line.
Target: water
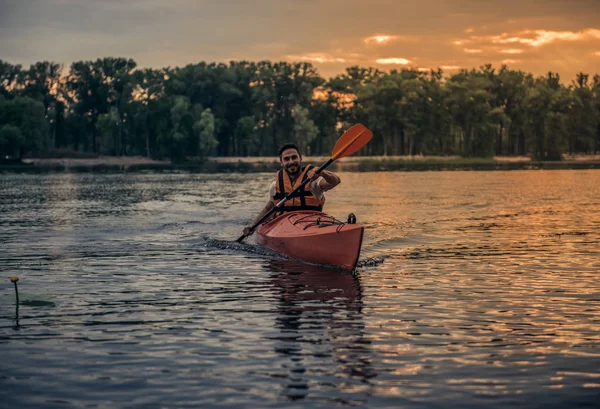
473	289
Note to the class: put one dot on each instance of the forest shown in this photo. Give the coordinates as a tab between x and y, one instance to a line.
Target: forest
112	107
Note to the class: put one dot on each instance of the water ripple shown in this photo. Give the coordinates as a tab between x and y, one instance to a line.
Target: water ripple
473	289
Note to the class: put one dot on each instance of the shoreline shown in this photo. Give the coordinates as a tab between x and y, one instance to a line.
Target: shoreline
111	164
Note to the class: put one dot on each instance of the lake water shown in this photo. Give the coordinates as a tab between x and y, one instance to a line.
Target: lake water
473	289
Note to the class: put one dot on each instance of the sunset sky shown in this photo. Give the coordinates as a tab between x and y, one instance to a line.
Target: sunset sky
533	35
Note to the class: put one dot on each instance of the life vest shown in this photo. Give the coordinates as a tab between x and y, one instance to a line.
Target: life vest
301	200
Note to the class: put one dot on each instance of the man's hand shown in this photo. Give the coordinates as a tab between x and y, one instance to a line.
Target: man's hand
330	180
312	175
247	230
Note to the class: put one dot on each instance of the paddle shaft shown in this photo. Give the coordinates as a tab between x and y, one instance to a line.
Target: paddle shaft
285	199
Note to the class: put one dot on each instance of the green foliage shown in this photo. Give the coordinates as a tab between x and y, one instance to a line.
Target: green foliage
305	130
109	128
249	108
204	128
28	116
181	132
555	136
9	75
94	87
246	135
11	140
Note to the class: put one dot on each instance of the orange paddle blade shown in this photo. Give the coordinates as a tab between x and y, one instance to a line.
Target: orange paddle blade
351	141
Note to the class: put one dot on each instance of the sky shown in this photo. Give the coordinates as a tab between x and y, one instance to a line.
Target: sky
535	36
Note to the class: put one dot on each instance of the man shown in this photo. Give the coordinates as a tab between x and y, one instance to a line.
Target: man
289	177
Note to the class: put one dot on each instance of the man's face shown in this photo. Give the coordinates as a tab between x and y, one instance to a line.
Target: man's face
291	161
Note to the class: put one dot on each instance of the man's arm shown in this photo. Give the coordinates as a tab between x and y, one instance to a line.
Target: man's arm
330	179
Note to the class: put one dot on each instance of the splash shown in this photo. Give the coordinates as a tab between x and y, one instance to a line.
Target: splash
371	262
217	244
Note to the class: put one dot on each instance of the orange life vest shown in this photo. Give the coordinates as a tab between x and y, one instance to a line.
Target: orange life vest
302	200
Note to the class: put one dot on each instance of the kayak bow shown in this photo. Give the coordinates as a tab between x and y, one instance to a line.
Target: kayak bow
314	237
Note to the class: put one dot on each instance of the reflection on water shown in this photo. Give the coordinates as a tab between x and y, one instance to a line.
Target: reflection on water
473	289
322	330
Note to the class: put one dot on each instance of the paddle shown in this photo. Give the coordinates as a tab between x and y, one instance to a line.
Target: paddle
350	142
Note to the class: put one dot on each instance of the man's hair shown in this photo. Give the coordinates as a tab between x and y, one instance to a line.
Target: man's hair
288	146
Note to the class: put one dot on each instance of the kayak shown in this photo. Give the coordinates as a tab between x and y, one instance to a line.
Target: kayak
314	237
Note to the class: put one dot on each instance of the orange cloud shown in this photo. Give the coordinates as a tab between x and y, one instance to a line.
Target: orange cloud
532	38
512	51
536	38
398	61
450	67
384	39
509	61
316	57
379	39
472	50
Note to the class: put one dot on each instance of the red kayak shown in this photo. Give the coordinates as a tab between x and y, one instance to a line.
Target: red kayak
314	237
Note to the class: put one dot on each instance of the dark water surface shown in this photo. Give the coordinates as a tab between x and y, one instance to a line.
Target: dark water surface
475	289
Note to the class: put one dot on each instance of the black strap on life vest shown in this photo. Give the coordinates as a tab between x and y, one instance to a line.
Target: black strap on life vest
279	195
301	194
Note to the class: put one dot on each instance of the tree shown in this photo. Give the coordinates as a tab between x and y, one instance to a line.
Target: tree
42	82
583	117
249	108
596	102
27	115
9	74
469	104
436	125
247	137
108	129
182	120
149	108
93	87
11	141
204	129
305	130
547	107
326	112
510	89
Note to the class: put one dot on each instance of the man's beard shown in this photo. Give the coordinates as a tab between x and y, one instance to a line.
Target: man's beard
296	172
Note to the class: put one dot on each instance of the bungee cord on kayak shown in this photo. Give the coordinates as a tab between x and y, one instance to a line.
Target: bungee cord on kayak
324	221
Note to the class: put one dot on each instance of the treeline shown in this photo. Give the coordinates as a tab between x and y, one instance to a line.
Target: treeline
111	107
